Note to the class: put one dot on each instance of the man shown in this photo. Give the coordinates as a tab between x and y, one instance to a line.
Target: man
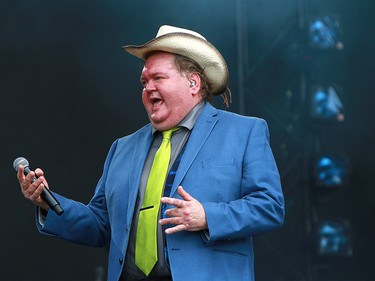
222	188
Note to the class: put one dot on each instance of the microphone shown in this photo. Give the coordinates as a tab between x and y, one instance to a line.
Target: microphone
46	194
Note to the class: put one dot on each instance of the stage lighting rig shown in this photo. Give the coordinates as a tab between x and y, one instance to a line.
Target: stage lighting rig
332	170
334	238
325	33
326	103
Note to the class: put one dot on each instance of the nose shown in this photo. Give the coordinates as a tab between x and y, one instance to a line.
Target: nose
149	86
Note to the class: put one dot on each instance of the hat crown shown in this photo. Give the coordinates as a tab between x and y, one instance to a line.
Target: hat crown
167	29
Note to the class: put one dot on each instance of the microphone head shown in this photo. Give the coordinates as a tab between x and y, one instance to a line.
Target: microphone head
20	161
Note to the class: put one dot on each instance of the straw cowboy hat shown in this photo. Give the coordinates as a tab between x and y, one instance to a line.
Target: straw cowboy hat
192	45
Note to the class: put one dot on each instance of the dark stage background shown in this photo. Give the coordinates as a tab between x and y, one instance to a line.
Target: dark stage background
68	91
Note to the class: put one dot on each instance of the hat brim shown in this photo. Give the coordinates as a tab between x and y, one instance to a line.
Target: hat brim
195	48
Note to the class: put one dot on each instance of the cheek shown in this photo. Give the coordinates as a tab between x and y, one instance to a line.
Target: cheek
181	104
145	99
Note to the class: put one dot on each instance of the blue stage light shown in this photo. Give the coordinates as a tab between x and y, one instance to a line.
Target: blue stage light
334	238
332	170
325	33
326	103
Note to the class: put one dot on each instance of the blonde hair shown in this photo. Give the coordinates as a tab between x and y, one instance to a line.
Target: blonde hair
186	65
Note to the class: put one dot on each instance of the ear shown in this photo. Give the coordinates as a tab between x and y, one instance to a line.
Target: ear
195	82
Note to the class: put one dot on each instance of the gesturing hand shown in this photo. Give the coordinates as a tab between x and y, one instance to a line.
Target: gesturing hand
188	213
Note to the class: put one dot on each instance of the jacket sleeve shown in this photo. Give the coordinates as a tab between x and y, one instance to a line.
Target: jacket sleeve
261	206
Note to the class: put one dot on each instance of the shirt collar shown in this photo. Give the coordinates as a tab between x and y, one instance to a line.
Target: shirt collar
190	119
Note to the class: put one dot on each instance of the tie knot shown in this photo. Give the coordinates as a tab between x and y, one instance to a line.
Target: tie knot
168	133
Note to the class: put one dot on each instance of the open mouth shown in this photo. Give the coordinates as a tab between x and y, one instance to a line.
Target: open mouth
156	101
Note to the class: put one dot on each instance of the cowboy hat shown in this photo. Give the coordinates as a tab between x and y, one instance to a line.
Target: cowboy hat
191	45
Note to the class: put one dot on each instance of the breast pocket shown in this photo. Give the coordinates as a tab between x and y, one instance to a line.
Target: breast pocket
217	181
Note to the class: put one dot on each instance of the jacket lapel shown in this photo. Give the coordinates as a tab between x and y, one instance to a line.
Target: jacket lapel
142	146
202	129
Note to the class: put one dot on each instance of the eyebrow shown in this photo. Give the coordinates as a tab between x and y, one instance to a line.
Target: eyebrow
157	73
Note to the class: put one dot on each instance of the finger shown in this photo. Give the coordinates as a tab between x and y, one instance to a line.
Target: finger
172	201
165	221
40	175
186	196
39	172
172	220
20	174
27	181
174	212
175	229
28	189
37	193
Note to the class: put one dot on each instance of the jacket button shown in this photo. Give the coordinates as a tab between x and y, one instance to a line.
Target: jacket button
120	260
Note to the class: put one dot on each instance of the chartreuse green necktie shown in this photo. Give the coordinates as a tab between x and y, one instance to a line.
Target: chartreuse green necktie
146	250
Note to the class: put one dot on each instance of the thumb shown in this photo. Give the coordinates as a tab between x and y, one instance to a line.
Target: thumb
186	196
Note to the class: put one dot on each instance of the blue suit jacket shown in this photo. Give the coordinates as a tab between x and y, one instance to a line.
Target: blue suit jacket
227	165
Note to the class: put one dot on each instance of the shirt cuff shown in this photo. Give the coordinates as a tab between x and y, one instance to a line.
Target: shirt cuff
41	215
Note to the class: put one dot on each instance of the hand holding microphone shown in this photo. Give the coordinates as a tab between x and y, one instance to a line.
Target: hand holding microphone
34	188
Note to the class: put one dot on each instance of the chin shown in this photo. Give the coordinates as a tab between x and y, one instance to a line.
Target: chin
162	126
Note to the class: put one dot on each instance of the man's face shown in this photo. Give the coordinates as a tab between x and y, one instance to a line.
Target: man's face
167	95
